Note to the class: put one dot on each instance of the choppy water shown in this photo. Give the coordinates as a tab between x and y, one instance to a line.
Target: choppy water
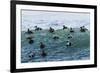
56	50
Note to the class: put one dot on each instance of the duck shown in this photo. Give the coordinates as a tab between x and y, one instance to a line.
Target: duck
31	41
32	55
42	45
68	43
55	37
37	28
69	36
83	29
43	54
71	30
51	30
64	27
29	31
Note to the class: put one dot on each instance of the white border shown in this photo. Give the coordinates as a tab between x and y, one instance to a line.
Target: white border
20	65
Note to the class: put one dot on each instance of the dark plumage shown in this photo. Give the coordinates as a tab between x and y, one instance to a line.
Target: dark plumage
69	36
83	29
68	43
51	30
64	27
43	53
32	55
55	37
37	28
71	30
29	31
31	41
42	45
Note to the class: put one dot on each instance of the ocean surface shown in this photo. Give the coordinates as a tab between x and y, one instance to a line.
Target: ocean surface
56	50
